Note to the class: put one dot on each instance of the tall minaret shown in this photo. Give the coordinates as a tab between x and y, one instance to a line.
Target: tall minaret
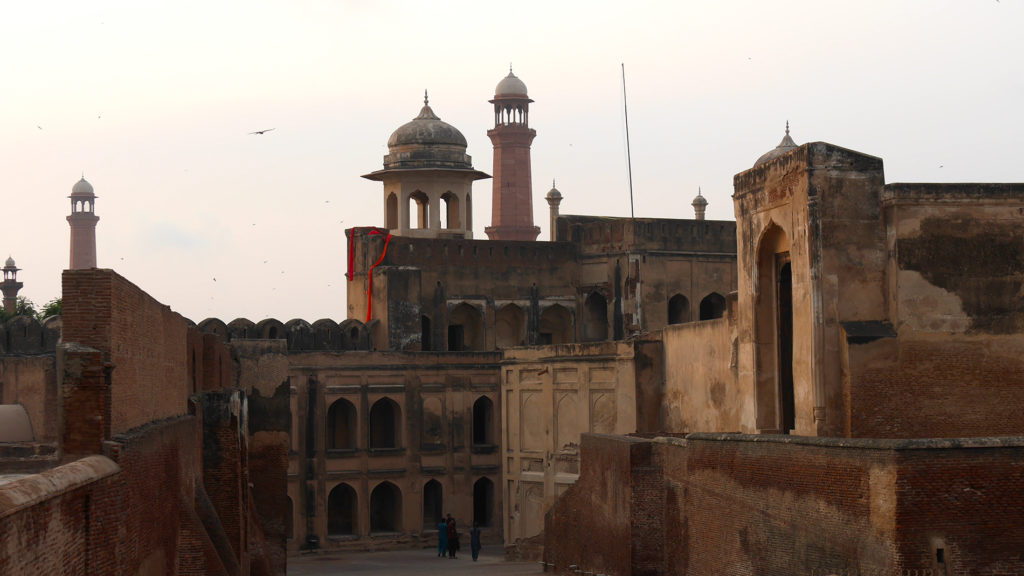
10	286
83	226
512	200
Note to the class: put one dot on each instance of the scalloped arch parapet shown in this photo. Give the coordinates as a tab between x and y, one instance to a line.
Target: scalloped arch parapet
324	334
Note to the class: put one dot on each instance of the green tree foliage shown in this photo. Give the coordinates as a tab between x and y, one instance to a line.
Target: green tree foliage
26	307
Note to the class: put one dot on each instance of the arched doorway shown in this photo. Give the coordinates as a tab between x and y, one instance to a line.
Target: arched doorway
678	309
465	329
483	502
386	508
773	329
555	325
342	517
483	421
433	504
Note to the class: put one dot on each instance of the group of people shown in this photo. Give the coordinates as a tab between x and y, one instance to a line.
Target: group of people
448	539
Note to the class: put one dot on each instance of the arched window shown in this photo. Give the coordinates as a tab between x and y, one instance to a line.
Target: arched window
433	504
595	324
386	508
341	425
483	502
384	421
555	325
712	306
422	209
469	212
678	309
391	212
465	329
342	512
510	326
483	421
450	212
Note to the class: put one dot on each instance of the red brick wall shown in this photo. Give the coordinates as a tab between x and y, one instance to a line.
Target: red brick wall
735	504
590	525
966	500
144	339
937	387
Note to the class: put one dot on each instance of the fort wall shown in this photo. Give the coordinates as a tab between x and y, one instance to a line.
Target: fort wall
143	340
784	505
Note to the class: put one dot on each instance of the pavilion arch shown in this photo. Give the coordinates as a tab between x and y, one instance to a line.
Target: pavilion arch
773	333
342	425
433	504
422	202
483	422
386	508
342	511
678	309
595	318
385	425
483	502
712	306
391	211
299	334
465	328
214	326
270	329
469	212
354	335
510	326
378	336
326	335
450	211
241	329
555	325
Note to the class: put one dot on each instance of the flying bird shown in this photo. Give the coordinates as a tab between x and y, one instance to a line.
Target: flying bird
262	131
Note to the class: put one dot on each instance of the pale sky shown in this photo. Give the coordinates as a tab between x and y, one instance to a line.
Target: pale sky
154	102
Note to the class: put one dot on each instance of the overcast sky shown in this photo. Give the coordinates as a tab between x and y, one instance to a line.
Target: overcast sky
154	103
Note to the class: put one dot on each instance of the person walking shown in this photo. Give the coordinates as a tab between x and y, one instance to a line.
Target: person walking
453	538
474	540
442	537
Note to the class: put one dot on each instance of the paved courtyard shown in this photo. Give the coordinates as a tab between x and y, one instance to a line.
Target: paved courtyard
423	562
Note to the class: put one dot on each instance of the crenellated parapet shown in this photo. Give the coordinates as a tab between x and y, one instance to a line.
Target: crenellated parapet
25	335
324	334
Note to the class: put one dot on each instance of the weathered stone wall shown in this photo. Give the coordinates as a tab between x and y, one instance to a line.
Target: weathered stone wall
551	396
702	392
713	504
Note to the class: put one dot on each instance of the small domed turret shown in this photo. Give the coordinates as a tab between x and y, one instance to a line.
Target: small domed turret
9	263
510	86
82	188
786	145
699	205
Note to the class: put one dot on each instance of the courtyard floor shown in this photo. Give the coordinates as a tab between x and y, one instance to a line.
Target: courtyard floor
423	562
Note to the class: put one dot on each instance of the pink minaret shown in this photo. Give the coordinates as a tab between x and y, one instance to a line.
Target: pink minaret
83	226
512	199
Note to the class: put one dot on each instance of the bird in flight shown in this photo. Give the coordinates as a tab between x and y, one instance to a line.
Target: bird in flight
261	131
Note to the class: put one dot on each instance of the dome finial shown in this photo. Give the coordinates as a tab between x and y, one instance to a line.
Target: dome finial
426	102
787	127
552	182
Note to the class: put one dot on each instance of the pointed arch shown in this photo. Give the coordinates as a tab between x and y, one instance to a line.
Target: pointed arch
465	328
433	504
555	325
483	422
385	424
678	309
712	306
341	425
386	508
483	502
342	511
391	211
773	323
510	326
